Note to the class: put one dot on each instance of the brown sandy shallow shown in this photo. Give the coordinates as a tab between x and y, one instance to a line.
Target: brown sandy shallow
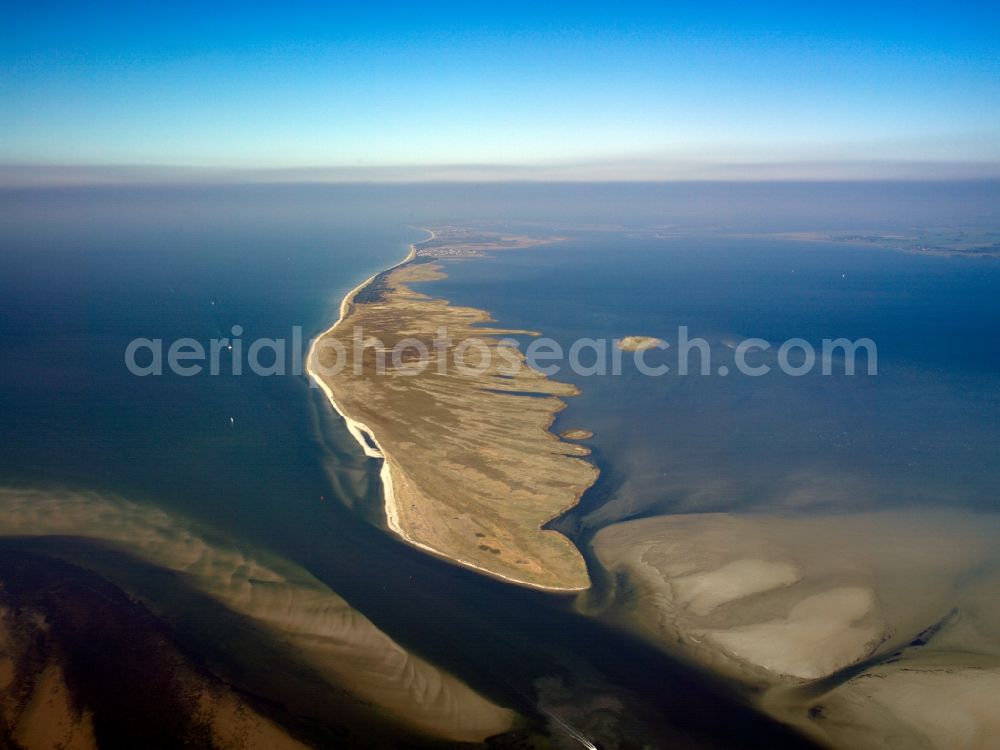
873	630
326	655
140	688
471	470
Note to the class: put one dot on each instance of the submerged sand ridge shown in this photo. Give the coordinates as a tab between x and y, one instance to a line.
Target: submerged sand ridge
336	649
471	470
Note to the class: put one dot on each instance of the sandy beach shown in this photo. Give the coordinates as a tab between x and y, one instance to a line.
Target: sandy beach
357	429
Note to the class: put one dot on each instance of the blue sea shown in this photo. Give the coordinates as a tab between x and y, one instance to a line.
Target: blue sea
922	429
264	461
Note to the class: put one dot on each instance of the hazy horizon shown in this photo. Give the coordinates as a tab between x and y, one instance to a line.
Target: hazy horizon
65	175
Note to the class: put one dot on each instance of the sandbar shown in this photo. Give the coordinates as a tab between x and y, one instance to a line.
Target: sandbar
860	628
639	343
331	644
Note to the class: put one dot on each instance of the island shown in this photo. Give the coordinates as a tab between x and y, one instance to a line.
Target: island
639	343
471	470
576	434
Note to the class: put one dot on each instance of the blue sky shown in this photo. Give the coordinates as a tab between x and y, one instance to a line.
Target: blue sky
558	90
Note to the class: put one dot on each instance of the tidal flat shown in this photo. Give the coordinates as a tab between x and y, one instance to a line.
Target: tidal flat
857	628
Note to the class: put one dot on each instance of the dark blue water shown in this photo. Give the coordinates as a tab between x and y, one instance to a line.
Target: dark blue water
83	272
924	430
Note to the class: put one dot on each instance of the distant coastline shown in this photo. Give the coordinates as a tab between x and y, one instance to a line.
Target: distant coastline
957	243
